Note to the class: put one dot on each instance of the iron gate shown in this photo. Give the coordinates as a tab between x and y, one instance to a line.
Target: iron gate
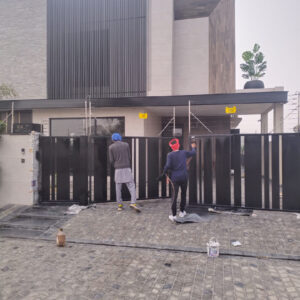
77	170
259	171
252	170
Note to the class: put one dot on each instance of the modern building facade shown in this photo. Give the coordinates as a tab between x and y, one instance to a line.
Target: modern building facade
128	57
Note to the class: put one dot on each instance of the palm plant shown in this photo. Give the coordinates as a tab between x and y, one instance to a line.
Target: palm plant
255	65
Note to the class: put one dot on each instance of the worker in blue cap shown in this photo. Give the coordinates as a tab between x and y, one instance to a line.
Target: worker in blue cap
119	156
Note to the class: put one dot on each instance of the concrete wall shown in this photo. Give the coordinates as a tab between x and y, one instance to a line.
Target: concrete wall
191	57
18	180
160	47
23	59
134	126
152	125
222	48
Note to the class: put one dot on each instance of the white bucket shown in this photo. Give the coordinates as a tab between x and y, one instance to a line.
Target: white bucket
213	247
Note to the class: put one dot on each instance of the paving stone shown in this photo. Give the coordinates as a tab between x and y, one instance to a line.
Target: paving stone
35	269
269	234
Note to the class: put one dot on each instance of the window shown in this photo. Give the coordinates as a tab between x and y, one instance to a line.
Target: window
76	126
19	117
107	126
67	127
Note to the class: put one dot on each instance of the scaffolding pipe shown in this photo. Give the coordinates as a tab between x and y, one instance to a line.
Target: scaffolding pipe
12	117
189	117
174	123
166	126
201	123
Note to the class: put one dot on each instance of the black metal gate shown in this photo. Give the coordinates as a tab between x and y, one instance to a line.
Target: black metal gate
76	169
259	171
252	170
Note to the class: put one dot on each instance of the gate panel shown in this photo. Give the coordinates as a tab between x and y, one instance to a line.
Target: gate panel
68	162
192	169
153	170
236	164
112	184
208	170
275	172
200	168
100	169
266	171
83	191
253	182
223	163
75	167
125	191
62	147
142	168
165	150
291	172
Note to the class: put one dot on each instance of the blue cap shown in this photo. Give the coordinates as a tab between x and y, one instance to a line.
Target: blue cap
116	137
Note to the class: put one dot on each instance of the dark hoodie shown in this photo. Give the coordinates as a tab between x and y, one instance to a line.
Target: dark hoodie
176	163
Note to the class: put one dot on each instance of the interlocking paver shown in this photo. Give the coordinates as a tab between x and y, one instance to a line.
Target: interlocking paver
37	269
40	270
266	233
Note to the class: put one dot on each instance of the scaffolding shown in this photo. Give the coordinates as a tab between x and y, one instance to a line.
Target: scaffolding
190	116
8	115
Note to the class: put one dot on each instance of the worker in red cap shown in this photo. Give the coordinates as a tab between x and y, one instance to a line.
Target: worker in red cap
177	167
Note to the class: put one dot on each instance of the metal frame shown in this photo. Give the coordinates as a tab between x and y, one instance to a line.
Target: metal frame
270	164
210	178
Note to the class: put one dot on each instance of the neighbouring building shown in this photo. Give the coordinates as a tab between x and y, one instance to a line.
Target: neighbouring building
128	57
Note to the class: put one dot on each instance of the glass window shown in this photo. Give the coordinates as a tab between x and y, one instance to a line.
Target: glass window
67	127
107	126
25	116
76	126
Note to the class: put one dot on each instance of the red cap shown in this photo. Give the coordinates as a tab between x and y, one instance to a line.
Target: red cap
174	144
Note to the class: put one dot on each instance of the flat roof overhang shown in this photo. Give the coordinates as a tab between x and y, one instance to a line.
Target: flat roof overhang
154	101
187	9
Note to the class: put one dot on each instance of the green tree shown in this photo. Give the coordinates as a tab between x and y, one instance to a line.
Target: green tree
254	65
2	127
7	92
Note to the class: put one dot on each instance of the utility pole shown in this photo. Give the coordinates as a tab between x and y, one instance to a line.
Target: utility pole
12	117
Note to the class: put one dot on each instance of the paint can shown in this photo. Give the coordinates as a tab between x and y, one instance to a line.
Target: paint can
213	247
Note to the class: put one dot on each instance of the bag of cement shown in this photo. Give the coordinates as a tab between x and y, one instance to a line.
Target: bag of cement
75	209
190	218
236	243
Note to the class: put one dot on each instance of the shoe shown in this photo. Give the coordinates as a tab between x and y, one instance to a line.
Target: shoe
182	214
120	207
135	207
172	218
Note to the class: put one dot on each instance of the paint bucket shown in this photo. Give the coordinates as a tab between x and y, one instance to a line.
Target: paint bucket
213	247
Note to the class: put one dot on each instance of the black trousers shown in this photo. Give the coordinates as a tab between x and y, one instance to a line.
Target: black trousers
183	187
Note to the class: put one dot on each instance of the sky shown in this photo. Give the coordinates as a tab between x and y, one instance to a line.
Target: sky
275	26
